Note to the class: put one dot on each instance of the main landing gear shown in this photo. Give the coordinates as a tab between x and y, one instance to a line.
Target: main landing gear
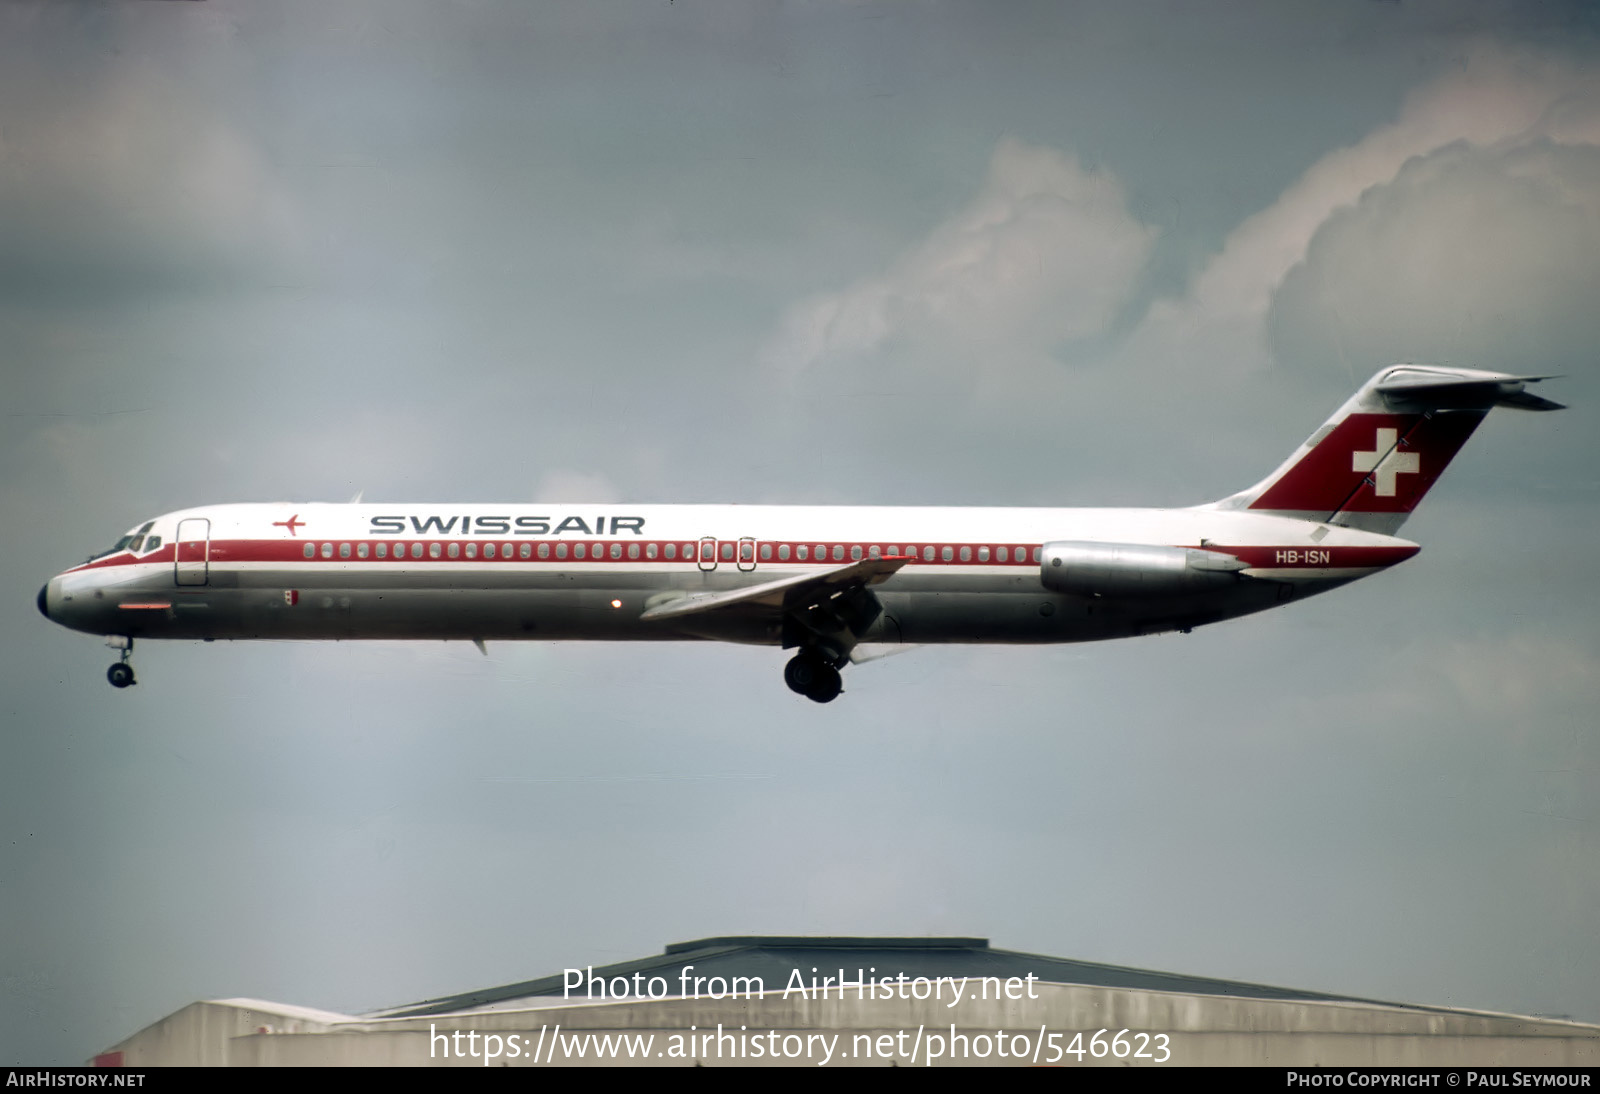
809	675
121	674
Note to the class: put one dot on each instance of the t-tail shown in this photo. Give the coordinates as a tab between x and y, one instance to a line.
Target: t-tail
1372	462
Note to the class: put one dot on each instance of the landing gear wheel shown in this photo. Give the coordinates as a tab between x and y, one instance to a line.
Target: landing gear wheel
801	673
120	675
827	687
808	675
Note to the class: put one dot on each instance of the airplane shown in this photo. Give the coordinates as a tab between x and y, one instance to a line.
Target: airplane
836	585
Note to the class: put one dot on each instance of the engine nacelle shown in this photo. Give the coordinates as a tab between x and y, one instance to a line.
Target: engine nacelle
1131	569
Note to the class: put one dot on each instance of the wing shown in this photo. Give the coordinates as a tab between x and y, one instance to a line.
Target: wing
788	595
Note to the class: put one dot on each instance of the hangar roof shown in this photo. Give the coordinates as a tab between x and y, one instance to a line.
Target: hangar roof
775	957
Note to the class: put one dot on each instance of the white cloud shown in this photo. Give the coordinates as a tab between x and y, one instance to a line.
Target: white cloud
1493	97
1485	256
1496	99
1046	252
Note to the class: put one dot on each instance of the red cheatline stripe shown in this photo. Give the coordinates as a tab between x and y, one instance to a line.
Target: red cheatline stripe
1280	558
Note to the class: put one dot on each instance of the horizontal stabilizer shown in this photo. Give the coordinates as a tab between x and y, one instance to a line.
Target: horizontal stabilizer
1527	400
1428	389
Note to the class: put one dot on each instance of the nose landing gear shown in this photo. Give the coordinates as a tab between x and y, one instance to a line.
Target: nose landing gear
809	675
121	674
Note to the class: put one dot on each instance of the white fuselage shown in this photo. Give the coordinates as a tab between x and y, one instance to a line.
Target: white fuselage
568	571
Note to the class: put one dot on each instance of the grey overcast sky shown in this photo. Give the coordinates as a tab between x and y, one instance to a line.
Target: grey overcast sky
875	253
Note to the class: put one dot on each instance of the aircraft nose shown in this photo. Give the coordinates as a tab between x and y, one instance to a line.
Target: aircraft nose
44	601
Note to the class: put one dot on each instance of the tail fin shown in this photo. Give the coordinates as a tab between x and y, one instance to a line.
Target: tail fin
1373	461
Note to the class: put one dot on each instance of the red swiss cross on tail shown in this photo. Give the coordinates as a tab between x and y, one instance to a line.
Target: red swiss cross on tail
1372	462
292	523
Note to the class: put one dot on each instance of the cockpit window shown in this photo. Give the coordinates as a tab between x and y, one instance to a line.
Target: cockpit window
121	544
130	542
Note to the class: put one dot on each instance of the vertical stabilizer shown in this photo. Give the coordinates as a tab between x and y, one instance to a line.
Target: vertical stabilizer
1371	463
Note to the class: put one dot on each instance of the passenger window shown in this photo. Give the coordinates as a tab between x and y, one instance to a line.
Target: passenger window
525	550
472	550
344	550
947	554
488	550
802	552
327	550
783	552
855	553
361	550
544	550
727	552
505	550
688	551
874	551
822	553
650	550
416	550
616	550
892	549
434	550
1002	555
310	550
766	552
455	550
672	550
633	550
580	550
747	551
983	554
383	550
1036	554
966	554
561	550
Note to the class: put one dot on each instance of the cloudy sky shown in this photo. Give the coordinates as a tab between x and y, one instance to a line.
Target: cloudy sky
855	253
